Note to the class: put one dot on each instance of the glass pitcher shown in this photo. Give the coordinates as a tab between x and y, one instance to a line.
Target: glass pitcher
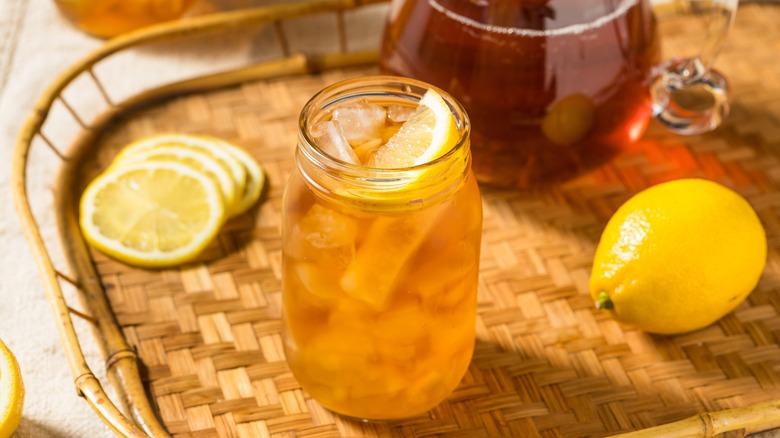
555	87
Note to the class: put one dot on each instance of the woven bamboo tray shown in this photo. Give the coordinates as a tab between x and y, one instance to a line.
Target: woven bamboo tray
196	351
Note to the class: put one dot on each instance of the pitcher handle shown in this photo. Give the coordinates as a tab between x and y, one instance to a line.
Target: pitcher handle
688	95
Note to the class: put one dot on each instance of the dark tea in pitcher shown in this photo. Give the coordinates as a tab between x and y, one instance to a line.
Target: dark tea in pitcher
552	87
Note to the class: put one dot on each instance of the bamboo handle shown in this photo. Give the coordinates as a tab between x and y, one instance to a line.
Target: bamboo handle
710	424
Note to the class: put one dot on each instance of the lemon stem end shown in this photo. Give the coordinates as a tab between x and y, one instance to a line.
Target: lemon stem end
603	302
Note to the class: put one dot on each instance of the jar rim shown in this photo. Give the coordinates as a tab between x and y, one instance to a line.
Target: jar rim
376	85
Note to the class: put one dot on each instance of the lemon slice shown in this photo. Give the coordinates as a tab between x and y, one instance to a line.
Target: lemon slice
430	132
211	146
11	392
151	213
192	158
255	178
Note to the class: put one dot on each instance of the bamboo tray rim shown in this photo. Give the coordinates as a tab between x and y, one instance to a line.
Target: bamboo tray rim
122	362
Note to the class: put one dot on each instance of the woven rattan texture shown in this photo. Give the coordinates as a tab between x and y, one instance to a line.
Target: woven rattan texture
546	362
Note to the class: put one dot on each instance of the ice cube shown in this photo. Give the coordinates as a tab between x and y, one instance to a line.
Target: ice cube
319	281
437	279
337	358
404	326
351	314
361	121
323	237
380	382
365	151
382	256
430	386
330	138
452	332
400	113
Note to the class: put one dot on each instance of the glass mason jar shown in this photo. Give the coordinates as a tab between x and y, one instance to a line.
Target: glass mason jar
379	267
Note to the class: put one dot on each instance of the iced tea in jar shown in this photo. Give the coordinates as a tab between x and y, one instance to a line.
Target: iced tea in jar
381	235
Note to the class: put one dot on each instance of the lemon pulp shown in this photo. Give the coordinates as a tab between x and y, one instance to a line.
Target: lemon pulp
429	133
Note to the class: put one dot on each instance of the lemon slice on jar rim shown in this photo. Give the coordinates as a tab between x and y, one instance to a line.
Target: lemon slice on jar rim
430	133
151	213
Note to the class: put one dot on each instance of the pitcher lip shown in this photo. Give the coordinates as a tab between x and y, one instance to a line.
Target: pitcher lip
571	29
351	88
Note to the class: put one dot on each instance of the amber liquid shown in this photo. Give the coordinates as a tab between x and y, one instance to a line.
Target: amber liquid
108	18
551	90
379	308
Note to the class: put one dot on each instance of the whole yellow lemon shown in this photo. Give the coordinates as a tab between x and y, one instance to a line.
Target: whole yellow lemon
678	256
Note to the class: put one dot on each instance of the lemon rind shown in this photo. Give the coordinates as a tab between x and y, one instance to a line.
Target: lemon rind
442	131
256	177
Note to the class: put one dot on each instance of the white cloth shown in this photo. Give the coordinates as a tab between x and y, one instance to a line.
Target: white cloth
36	44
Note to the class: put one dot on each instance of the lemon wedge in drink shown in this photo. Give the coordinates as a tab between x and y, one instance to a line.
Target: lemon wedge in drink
430	132
11	392
151	213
